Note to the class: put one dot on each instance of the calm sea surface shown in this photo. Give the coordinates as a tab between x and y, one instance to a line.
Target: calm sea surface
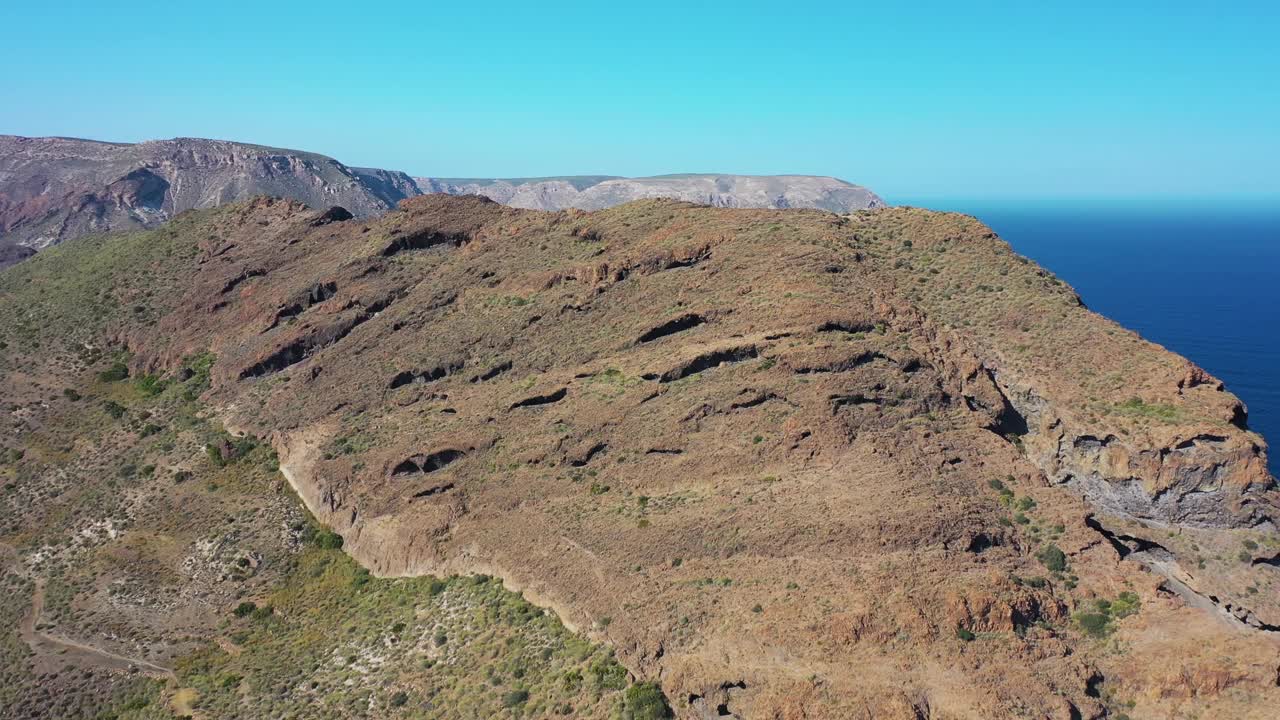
1204	283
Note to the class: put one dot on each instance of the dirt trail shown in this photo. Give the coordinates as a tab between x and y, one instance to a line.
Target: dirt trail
45	644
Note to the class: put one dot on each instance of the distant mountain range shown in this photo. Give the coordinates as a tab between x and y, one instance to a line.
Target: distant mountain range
54	189
596	192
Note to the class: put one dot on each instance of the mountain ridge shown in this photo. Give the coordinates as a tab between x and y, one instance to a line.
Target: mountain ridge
57	188
597	192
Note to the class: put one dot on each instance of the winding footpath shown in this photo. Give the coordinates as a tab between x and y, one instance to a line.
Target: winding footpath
43	643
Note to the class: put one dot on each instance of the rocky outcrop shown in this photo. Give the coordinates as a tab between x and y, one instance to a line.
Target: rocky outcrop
1195	474
598	192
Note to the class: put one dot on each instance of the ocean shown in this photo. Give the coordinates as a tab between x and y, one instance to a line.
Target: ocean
1201	281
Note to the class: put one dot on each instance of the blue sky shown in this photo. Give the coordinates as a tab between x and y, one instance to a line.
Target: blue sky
1169	100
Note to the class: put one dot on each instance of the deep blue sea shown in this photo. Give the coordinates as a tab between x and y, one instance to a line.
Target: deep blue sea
1202	281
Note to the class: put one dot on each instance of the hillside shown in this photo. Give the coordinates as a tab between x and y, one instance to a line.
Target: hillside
596	192
53	189
741	463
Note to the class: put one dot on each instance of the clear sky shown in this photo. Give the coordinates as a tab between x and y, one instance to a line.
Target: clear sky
1026	99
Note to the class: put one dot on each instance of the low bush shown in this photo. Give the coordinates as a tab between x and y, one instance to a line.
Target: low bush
1100	621
117	372
1093	624
327	540
645	701
1053	558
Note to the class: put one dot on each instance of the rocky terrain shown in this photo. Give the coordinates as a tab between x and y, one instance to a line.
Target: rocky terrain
737	463
53	189
596	192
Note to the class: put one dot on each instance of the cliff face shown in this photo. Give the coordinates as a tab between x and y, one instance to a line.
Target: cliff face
731	191
53	189
787	464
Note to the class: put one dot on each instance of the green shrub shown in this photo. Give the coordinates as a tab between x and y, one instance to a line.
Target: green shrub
244	609
399	699
645	701
1093	624
608	674
327	540
215	456
515	697
1053	558
117	372
150	385
197	367
965	634
231	680
1138	406
1125	605
114	409
1100	622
